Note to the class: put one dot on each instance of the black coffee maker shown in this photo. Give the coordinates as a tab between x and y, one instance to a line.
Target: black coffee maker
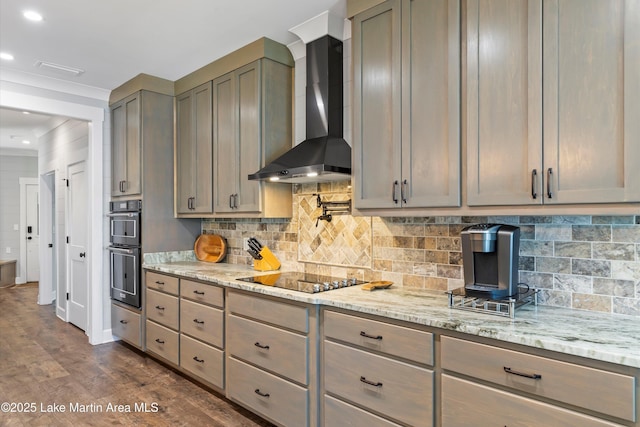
490	254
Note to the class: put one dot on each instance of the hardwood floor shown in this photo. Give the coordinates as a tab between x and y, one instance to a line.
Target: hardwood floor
46	362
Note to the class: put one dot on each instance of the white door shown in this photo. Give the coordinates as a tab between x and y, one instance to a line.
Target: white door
78	285
32	233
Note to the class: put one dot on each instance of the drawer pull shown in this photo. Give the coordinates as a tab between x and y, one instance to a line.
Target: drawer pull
199	322
198	360
198	292
159	341
158	282
159	307
364	334
124	322
366	381
522	374
264	347
258	392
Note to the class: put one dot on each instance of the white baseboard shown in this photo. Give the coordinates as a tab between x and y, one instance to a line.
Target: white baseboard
20	280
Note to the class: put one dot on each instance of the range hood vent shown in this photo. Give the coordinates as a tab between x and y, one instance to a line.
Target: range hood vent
324	155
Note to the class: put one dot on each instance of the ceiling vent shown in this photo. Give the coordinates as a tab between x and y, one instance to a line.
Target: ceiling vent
59	68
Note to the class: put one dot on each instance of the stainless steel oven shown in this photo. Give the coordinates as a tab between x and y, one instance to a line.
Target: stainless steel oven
125	260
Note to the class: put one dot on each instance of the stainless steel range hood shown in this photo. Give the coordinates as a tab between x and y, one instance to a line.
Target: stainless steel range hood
324	155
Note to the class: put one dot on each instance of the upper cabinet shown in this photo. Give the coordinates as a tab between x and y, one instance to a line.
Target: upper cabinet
126	146
553	102
252	125
194	151
406	148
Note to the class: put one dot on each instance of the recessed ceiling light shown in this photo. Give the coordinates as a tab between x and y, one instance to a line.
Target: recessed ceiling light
26	141
32	15
6	56
26	112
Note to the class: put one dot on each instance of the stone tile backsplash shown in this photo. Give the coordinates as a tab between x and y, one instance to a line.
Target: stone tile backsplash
582	262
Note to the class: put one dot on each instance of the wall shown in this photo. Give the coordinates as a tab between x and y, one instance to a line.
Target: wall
12	168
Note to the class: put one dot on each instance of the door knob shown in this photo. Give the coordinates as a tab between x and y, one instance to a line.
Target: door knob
29	238
83	254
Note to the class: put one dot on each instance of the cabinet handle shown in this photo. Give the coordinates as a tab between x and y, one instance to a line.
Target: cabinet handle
189	203
198	360
198	292
159	341
366	381
159	307
258	392
549	173
124	322
199	322
235	201
534	174
394	190
403	189
158	282
521	374
364	334
264	347
231	201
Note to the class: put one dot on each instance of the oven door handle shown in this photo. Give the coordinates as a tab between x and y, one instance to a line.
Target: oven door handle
122	250
123	214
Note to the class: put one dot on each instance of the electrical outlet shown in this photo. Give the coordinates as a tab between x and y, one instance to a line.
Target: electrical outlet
8	250
245	243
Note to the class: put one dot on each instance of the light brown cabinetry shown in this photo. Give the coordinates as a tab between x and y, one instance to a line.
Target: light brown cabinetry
550	102
126	146
406	59
376	372
270	358
251	126
126	324
194	151
162	317
529	380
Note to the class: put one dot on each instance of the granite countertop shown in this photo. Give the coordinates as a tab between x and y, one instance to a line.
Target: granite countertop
606	337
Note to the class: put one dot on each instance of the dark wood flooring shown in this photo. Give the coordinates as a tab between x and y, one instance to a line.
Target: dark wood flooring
46	362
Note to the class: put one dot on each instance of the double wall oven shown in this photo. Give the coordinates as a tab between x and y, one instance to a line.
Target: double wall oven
125	258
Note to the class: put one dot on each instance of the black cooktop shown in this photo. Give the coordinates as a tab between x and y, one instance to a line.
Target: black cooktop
303	282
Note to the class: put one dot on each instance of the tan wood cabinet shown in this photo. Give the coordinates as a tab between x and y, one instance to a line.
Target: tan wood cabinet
126	324
271	358
376	372
162	319
194	151
126	146
551	102
406	148
534	377
251	126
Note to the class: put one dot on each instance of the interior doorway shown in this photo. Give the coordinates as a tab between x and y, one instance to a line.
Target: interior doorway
29	262
48	247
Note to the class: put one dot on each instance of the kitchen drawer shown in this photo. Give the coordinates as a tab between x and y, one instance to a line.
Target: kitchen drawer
394	340
162	308
201	292
276	350
274	398
278	313
202	322
594	389
202	360
162	341
339	413
396	389
126	325
464	404
162	282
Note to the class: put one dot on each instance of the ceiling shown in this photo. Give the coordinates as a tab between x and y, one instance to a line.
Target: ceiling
113	41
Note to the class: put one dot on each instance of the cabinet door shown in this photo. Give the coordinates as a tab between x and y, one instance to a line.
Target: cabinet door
377	106
225	119
126	147
185	172
591	101
249	137
504	102
430	103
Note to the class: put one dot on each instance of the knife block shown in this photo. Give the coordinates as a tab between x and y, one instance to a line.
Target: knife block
269	262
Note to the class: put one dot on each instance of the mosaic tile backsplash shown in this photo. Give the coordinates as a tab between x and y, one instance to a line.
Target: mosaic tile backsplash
582	262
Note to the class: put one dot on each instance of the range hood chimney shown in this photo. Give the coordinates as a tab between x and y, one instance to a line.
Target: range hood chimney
324	155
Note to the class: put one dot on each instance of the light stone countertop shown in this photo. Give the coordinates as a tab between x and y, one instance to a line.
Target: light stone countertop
606	337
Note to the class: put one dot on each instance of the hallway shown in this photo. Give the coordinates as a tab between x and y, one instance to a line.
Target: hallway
48	365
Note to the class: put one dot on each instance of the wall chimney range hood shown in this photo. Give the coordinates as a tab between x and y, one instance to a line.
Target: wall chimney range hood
324	155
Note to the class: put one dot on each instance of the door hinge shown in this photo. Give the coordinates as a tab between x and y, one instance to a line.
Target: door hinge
67	296
67	182
67	239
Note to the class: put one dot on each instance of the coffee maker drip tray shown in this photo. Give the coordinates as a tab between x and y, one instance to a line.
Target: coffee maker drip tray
460	299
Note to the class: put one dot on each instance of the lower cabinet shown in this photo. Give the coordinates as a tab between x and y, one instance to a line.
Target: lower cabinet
126	323
270	359
376	373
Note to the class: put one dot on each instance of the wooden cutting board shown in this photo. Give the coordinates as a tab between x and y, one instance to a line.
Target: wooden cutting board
210	248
